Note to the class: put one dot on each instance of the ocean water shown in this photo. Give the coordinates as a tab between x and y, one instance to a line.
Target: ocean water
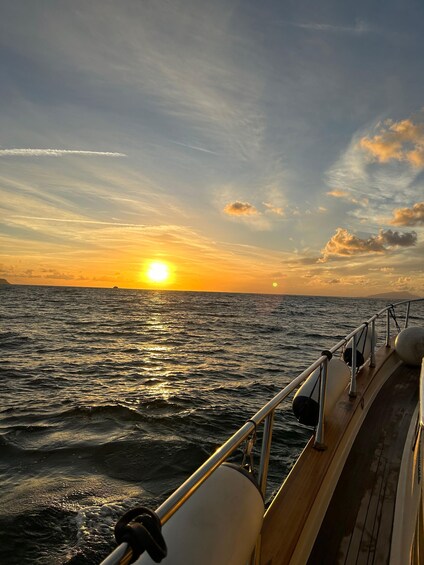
111	398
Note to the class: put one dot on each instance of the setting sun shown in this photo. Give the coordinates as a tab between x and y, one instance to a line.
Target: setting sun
157	271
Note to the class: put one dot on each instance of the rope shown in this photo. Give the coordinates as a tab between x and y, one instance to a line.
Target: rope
141	529
248	451
364	329
392	314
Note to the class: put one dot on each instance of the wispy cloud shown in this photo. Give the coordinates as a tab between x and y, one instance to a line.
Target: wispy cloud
194	147
277	210
79	221
359	27
55	153
361	177
345	195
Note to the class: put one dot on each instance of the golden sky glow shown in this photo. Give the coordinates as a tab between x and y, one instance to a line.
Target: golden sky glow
173	132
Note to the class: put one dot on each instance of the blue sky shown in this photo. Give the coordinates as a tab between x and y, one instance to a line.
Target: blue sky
242	143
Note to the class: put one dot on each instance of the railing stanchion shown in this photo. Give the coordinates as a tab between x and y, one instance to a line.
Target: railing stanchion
388	328
319	436
265	451
373	340
352	390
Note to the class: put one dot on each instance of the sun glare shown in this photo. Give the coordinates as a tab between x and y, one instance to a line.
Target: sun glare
157	272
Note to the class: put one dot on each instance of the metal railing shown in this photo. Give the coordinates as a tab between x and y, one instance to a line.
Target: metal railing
421	414
266	415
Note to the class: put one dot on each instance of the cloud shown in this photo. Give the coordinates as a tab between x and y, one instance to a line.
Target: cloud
337	193
345	195
78	221
396	239
277	210
194	147
238	208
399	141
402	283
55	153
345	244
359	27
409	216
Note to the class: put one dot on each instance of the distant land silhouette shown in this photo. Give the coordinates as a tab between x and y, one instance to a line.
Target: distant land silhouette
4	281
399	295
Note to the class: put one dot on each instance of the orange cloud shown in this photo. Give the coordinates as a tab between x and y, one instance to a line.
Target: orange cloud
400	141
409	216
345	195
402	283
344	244
240	209
338	193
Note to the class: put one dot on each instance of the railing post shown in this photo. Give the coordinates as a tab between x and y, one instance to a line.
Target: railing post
408	307
372	360
388	328
265	451
263	474
352	390
319	436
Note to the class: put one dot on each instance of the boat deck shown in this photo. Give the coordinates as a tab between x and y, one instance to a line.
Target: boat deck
357	527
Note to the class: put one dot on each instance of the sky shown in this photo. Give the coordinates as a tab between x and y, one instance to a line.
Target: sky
244	146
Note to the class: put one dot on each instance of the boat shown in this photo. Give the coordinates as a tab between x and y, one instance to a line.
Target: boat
355	493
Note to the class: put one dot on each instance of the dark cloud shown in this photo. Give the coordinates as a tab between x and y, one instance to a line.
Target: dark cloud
397	239
238	208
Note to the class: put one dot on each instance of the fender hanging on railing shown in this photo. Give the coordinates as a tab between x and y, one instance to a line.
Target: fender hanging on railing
305	404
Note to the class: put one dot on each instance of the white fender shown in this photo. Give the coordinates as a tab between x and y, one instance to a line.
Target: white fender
305	404
409	345
363	349
218	525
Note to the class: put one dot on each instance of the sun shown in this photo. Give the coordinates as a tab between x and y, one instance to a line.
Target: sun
157	272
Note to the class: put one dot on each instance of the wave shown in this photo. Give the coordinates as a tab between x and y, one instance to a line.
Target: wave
116	411
13	340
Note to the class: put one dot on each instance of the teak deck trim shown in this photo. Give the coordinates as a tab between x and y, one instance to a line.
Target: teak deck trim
300	505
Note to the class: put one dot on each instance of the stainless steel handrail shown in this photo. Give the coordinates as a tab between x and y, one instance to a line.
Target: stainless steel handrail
189	487
421	416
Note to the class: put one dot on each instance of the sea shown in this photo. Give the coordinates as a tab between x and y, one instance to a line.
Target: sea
111	398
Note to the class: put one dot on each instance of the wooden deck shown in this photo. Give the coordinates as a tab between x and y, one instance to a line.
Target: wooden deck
293	520
357	528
